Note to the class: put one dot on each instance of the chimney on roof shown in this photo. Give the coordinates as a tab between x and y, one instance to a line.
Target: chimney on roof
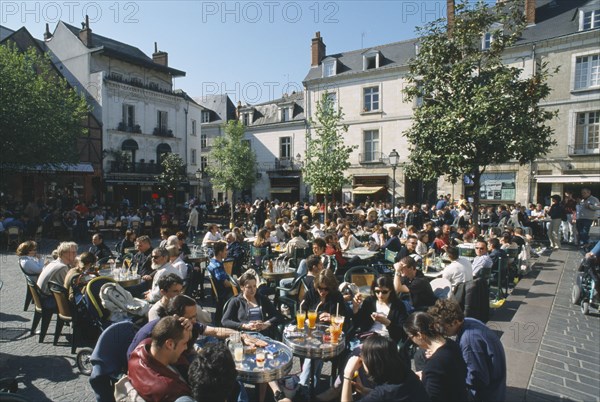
161	57
530	12
85	35
317	50
450	16
47	34
237	110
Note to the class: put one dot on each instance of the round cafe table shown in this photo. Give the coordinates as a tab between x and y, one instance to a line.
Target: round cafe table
310	344
276	276
278	363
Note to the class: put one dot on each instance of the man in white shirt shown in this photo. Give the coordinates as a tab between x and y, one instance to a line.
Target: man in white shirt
317	231
482	259
459	270
169	286
160	264
212	236
57	270
175	258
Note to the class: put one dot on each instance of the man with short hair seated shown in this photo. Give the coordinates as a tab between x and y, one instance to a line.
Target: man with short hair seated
162	266
169	286
151	366
482	259
459	270
408	280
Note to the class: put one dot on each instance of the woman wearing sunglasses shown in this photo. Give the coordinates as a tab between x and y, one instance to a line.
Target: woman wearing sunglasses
325	295
382	312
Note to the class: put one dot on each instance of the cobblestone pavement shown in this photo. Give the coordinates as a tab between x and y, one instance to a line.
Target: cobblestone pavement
568	361
45	372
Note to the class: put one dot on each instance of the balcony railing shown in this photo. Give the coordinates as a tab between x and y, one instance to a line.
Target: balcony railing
583	149
163	132
281	164
372	158
135	167
140	84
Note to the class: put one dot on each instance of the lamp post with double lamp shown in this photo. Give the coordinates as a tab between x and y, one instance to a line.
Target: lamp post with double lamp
394	158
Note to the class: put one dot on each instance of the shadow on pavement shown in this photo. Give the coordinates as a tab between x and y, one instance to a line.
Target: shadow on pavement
52	369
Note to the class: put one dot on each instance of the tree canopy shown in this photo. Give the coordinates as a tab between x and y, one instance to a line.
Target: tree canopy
232	163
326	161
173	171
476	110
40	114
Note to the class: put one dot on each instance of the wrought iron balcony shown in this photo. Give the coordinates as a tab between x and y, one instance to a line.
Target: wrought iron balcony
281	165
136	167
372	158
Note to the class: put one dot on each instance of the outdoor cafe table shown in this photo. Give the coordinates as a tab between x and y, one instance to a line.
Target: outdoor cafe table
311	344
278	363
126	280
276	275
361	252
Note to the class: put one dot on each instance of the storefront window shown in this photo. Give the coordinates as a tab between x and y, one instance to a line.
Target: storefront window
497	186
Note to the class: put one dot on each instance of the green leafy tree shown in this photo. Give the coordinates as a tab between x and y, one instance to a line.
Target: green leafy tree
326	160
173	171
232	161
40	114
476	111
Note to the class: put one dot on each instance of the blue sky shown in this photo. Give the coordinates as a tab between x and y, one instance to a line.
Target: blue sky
253	50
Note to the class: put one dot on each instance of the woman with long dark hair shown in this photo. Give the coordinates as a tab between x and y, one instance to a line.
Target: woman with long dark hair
393	380
445	372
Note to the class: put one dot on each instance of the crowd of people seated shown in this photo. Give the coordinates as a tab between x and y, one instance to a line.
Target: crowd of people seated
401	318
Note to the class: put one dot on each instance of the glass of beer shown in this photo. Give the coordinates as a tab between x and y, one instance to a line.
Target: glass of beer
312	319
260	358
335	330
300	318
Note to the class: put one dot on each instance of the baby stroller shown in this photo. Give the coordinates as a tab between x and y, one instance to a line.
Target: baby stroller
587	281
92	316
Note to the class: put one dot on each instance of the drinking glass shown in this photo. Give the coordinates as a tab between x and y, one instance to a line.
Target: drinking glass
312	319
260	358
300	318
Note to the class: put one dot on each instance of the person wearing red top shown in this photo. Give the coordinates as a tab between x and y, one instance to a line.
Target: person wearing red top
152	370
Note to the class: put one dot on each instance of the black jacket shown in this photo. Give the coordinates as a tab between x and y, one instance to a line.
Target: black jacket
397	316
411	389
237	312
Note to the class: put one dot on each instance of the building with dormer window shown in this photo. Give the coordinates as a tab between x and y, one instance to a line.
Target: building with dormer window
143	116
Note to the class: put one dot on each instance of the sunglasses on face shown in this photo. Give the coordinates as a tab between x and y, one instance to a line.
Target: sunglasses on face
480	248
323	289
154	257
383	292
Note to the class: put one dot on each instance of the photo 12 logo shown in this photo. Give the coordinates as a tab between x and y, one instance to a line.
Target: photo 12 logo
251	92
71	12
253	12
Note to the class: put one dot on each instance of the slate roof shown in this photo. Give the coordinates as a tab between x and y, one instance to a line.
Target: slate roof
125	52
268	112
554	18
5	32
220	106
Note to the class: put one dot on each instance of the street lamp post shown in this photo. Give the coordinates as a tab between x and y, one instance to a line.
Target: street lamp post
198	175
394	158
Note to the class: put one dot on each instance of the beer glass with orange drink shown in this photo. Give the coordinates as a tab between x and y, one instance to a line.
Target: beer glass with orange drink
312	319
300	318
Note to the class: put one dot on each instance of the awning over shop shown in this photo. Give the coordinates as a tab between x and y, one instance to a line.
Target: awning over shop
282	190
83	167
366	190
582	178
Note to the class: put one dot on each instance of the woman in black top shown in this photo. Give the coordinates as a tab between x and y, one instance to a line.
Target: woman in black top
382	312
445	372
325	292
393	380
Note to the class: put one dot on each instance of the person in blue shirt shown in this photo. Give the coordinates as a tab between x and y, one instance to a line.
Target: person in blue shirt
481	349
220	278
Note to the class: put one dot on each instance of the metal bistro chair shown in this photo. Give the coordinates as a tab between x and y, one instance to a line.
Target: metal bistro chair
294	294
362	276
28	297
299	255
499	275
65	315
44	310
13	237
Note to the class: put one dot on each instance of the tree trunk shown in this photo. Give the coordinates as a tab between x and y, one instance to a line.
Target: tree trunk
325	211
476	185
231	221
